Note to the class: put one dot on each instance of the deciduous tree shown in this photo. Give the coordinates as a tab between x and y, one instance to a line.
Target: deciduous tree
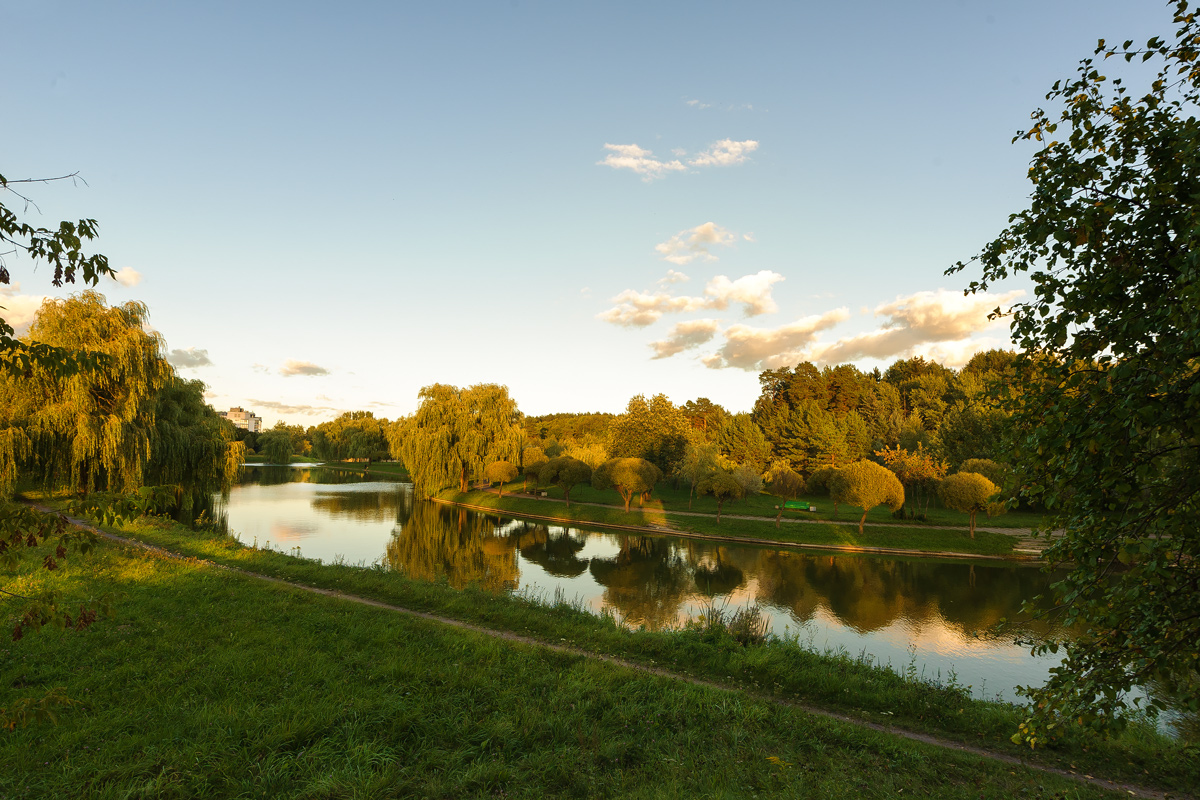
968	492
500	472
566	473
866	484
724	486
629	476
1108	419
785	483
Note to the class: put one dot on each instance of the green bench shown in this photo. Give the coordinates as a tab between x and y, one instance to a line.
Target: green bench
797	505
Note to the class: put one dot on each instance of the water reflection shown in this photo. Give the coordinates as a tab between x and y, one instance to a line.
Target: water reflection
882	606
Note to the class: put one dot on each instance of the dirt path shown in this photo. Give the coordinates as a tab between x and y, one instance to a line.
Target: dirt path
1130	789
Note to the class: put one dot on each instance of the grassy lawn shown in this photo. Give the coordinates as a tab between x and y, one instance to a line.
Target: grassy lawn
389	468
666	498
214	684
913	537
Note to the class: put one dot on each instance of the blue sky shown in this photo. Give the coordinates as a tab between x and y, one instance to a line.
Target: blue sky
341	204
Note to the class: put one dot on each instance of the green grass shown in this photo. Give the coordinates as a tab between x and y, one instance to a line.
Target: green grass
389	468
840	682
210	683
294	459
826	534
763	505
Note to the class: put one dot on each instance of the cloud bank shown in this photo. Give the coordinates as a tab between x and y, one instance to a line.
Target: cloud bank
189	358
19	310
128	277
292	367
685	336
636	309
757	349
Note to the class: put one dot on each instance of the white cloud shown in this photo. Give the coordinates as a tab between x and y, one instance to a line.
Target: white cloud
288	408
754	291
756	349
673	276
293	367
636	309
698	105
19	310
688	245
189	358
724	153
128	277
632	157
919	321
749	237
685	336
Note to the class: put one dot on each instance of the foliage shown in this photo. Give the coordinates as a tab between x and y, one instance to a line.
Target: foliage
1107	424
743	442
592	453
699	461
565	473
785	483
994	472
968	492
455	432
724	486
61	249
629	476
91	429
500	472
353	435
276	444
653	429
919	472
866	484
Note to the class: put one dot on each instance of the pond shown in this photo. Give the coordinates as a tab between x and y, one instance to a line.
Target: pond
920	614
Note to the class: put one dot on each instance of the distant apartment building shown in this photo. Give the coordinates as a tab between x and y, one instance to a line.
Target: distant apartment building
243	418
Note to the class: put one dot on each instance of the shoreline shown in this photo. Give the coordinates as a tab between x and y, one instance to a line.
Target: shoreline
1019	558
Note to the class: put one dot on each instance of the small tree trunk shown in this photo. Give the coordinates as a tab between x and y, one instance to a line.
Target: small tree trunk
501	490
972	524
861	521
777	516
628	496
691	491
567	496
720	502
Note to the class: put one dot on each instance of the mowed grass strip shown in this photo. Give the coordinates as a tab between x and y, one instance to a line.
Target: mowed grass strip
820	534
211	683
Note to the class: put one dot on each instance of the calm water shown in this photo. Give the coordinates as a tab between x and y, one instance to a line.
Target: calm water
932	614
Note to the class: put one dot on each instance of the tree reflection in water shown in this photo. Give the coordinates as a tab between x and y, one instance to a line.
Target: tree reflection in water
647	582
433	541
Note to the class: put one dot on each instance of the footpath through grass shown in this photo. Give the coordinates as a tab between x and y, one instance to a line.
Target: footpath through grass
215	684
247	687
821	534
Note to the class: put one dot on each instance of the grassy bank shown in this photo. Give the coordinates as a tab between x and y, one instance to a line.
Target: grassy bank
211	683
665	498
350	685
823	534
391	469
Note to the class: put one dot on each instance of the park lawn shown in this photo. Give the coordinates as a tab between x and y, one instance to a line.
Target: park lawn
763	505
212	683
294	459
388	468
821	534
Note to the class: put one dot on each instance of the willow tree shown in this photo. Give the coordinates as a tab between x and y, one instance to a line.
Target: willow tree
91	429
456	432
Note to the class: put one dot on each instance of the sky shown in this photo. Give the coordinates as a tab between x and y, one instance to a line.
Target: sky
326	207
